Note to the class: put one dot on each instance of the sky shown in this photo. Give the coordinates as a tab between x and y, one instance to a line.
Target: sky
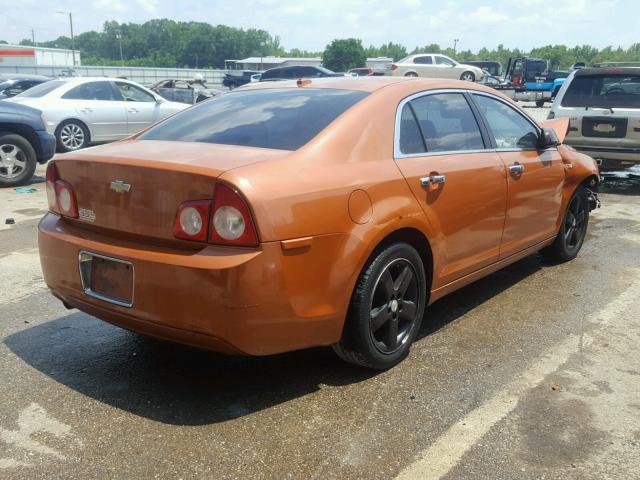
311	24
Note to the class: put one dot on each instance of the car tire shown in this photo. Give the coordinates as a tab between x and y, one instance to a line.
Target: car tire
386	309
539	103
468	77
18	160
411	74
72	135
572	230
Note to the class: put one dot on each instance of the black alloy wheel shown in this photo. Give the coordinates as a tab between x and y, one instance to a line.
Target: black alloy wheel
394	307
575	223
386	308
573	229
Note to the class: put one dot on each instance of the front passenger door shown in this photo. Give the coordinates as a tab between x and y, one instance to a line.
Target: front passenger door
535	177
458	180
142	107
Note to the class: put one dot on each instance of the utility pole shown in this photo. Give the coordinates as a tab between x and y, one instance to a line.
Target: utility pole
73	45
455	45
119	37
33	37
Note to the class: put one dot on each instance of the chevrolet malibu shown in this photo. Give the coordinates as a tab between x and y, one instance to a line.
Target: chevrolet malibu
288	215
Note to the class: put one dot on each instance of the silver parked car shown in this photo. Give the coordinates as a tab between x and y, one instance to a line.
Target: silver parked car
603	106
80	111
434	65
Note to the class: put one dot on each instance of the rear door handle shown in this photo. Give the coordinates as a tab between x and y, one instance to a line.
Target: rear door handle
432	180
133	110
516	169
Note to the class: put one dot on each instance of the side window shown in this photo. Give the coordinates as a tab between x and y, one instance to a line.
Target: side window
285	73
411	140
270	74
131	93
444	61
447	123
426	60
310	72
508	127
92	91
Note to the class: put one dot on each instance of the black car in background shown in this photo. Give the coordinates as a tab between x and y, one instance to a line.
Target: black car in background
24	142
12	85
294	72
493	68
233	81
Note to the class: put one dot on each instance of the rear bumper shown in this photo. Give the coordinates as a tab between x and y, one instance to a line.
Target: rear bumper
47	146
618	154
532	96
231	300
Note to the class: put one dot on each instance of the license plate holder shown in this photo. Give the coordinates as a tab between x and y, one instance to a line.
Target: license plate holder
604	127
107	278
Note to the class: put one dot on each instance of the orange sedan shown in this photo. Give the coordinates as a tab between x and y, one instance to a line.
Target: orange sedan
287	215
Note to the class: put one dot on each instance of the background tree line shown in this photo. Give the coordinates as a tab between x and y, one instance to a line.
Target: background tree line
167	43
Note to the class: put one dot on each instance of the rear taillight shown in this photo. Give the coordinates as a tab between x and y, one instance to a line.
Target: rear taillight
225	220
231	221
192	220
60	194
393	66
52	178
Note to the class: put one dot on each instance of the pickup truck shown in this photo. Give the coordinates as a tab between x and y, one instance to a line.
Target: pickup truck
534	81
24	142
233	81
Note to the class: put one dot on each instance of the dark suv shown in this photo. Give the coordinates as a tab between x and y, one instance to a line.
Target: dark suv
294	72
24	142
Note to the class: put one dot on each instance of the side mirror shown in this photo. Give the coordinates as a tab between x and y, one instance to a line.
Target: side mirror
548	139
11	92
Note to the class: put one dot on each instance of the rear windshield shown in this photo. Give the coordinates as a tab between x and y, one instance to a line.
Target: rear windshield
607	91
284	119
42	89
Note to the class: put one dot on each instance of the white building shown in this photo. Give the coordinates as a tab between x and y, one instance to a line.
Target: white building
265	63
25	56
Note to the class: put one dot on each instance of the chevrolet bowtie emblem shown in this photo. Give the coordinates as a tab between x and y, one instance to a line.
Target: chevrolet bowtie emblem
604	128
120	187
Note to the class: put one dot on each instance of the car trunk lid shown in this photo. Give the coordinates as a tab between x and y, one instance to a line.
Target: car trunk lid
135	187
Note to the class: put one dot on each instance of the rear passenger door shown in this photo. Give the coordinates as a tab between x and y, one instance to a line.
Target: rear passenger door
425	67
100	107
442	151
535	177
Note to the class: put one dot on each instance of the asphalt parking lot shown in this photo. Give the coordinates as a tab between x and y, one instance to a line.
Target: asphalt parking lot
533	372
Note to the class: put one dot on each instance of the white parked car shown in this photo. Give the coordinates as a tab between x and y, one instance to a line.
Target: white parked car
435	66
84	110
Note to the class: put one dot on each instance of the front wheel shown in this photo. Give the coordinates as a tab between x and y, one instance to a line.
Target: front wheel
17	160
468	77
539	103
573	229
411	74
386	309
